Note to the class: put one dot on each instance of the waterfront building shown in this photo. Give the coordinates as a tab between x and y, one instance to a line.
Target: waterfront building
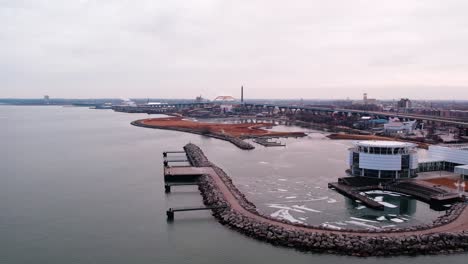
383	159
396	127
450	156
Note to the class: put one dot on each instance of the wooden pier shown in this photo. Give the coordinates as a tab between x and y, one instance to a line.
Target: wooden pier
352	193
172	152
182	176
168	185
170	212
266	143
184	173
436	197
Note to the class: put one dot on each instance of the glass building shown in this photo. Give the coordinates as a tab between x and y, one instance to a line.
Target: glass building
383	159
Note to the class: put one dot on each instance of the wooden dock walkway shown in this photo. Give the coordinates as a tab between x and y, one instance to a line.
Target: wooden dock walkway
350	192
170	212
168	185
184	173
264	142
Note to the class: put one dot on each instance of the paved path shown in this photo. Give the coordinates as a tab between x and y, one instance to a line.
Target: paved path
460	224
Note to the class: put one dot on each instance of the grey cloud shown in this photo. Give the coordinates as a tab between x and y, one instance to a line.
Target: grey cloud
278	49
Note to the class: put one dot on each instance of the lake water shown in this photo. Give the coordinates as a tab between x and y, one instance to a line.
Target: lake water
84	186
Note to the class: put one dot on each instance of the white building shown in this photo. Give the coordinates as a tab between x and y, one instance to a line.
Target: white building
452	157
383	159
396	127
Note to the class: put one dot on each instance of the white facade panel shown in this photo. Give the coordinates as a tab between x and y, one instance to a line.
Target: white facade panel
449	154
350	158
463	170
414	162
379	162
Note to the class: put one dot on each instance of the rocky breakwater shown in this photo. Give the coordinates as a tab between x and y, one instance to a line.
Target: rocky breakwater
408	241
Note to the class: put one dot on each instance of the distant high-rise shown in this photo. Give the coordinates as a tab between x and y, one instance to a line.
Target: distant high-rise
404	103
46	99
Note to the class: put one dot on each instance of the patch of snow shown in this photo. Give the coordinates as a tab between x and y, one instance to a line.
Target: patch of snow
381	218
331	200
284	214
362	224
326	225
360	207
291	197
396	220
363	220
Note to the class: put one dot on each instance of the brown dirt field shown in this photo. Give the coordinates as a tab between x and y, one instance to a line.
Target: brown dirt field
373	137
234	130
447	182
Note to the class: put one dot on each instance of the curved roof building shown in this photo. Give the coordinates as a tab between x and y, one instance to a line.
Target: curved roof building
383	159
224	99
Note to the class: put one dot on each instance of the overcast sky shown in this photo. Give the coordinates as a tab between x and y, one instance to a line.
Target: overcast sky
276	49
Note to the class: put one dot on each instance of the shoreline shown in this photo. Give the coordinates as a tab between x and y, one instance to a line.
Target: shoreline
236	140
447	233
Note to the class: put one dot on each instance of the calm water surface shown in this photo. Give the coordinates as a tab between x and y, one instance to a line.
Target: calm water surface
84	186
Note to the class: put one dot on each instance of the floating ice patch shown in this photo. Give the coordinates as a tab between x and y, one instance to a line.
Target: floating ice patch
406	219
396	220
363	220
264	162
285	208
302	218
302	207
300	201
282	179
362	224
389	205
319	198
282	190
331	200
381	218
447	205
340	223
384	192
291	197
284	214
378	198
357	201
318	187
360	207
388	226
326	225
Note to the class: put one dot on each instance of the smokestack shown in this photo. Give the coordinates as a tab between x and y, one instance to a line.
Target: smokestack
242	94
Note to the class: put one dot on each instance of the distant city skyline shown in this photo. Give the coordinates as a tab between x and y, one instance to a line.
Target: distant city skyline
182	49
